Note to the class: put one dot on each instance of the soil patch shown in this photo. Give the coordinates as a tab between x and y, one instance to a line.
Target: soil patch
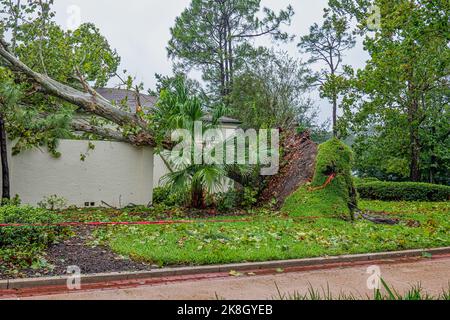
90	259
76	252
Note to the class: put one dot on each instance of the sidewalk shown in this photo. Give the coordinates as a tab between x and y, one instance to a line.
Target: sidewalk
433	275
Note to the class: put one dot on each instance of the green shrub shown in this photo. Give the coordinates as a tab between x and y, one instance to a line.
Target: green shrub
234	199
227	201
12	202
33	235
403	191
53	202
249	198
165	196
22	247
336	199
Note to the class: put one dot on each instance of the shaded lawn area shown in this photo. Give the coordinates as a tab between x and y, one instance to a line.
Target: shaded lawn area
422	225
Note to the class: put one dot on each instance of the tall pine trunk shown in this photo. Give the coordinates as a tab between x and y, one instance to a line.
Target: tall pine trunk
6	192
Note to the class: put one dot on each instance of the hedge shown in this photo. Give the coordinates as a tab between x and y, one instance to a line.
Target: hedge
403	191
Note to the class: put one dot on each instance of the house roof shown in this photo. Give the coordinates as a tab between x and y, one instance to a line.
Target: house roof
117	96
224	120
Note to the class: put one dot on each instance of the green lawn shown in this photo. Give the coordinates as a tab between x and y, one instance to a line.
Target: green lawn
423	225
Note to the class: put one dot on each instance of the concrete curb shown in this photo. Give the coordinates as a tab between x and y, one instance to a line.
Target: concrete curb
17	284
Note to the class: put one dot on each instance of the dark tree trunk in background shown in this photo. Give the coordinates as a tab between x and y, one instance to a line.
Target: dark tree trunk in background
414	141
335	130
6	194
433	158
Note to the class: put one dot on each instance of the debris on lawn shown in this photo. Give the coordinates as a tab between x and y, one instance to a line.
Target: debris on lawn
381	219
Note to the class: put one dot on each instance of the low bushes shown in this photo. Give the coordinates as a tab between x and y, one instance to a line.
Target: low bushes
236	199
165	196
403	191
36	235
223	201
22	247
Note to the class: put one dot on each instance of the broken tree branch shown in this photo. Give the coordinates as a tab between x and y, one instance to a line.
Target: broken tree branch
91	102
101	132
141	139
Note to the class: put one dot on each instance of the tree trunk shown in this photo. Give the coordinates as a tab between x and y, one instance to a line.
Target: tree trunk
335	129
6	192
230	59
433	158
197	198
226	58
89	101
414	142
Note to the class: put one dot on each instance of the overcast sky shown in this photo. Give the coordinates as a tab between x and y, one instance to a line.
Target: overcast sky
139	30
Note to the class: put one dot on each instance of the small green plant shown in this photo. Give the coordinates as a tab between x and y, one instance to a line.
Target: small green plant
35	233
226	201
232	199
165	196
415	293
12	202
53	203
21	247
249	198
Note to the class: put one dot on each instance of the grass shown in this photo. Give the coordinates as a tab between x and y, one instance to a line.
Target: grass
279	237
386	293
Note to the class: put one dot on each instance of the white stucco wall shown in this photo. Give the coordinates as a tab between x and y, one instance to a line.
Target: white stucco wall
116	173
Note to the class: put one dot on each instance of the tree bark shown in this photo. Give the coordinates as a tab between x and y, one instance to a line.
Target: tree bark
433	158
6	192
222	65
197	198
335	130
414	141
91	102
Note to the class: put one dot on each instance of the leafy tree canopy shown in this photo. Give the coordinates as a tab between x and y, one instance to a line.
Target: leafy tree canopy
215	37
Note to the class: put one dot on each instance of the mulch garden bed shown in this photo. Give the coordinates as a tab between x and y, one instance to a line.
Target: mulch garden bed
90	259
75	251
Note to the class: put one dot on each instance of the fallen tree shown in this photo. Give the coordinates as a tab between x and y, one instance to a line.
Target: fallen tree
332	192
296	168
88	101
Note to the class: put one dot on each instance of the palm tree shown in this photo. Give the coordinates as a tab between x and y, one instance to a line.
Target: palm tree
178	108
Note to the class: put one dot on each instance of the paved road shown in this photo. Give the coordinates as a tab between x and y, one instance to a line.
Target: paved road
433	275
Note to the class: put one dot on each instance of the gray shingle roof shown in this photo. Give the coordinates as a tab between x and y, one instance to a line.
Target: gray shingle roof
117	96
224	120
